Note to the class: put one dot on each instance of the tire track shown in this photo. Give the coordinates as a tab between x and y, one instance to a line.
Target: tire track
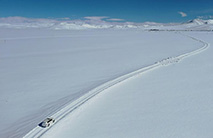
38	131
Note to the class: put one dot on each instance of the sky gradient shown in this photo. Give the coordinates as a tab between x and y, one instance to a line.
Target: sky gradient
129	10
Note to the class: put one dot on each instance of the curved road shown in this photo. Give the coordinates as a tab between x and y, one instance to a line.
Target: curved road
38	131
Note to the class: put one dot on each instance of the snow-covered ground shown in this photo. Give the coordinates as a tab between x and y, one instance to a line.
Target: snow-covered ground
44	70
172	101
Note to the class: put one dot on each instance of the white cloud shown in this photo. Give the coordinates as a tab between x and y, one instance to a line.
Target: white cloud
205	17
65	18
115	19
96	17
182	14
17	19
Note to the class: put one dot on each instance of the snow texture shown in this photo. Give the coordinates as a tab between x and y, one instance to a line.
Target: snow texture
44	70
174	101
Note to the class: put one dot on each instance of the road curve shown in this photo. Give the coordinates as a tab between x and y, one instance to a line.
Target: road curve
38	131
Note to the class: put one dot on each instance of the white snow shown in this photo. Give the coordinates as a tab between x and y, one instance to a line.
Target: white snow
173	101
43	70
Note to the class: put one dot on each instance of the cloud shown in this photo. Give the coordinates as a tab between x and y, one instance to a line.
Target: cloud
65	18
115	19
96	17
182	14
17	19
205	17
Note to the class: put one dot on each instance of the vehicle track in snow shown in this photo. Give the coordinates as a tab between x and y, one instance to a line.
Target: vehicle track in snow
38	131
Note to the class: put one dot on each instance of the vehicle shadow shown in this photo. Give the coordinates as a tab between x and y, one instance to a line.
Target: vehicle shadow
40	125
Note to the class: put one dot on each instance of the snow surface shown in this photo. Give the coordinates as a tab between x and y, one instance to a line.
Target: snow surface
44	70
172	101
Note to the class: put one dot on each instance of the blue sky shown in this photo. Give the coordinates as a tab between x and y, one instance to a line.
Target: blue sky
129	10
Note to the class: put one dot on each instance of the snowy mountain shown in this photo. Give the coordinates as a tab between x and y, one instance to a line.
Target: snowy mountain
200	22
94	23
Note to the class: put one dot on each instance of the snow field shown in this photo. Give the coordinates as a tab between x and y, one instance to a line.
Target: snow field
174	101
42	71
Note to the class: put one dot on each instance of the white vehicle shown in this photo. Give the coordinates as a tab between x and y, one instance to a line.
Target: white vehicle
47	122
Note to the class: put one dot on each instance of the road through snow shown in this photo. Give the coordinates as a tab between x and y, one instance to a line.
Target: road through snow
38	131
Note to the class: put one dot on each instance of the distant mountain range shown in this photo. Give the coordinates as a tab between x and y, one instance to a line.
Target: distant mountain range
200	21
21	22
